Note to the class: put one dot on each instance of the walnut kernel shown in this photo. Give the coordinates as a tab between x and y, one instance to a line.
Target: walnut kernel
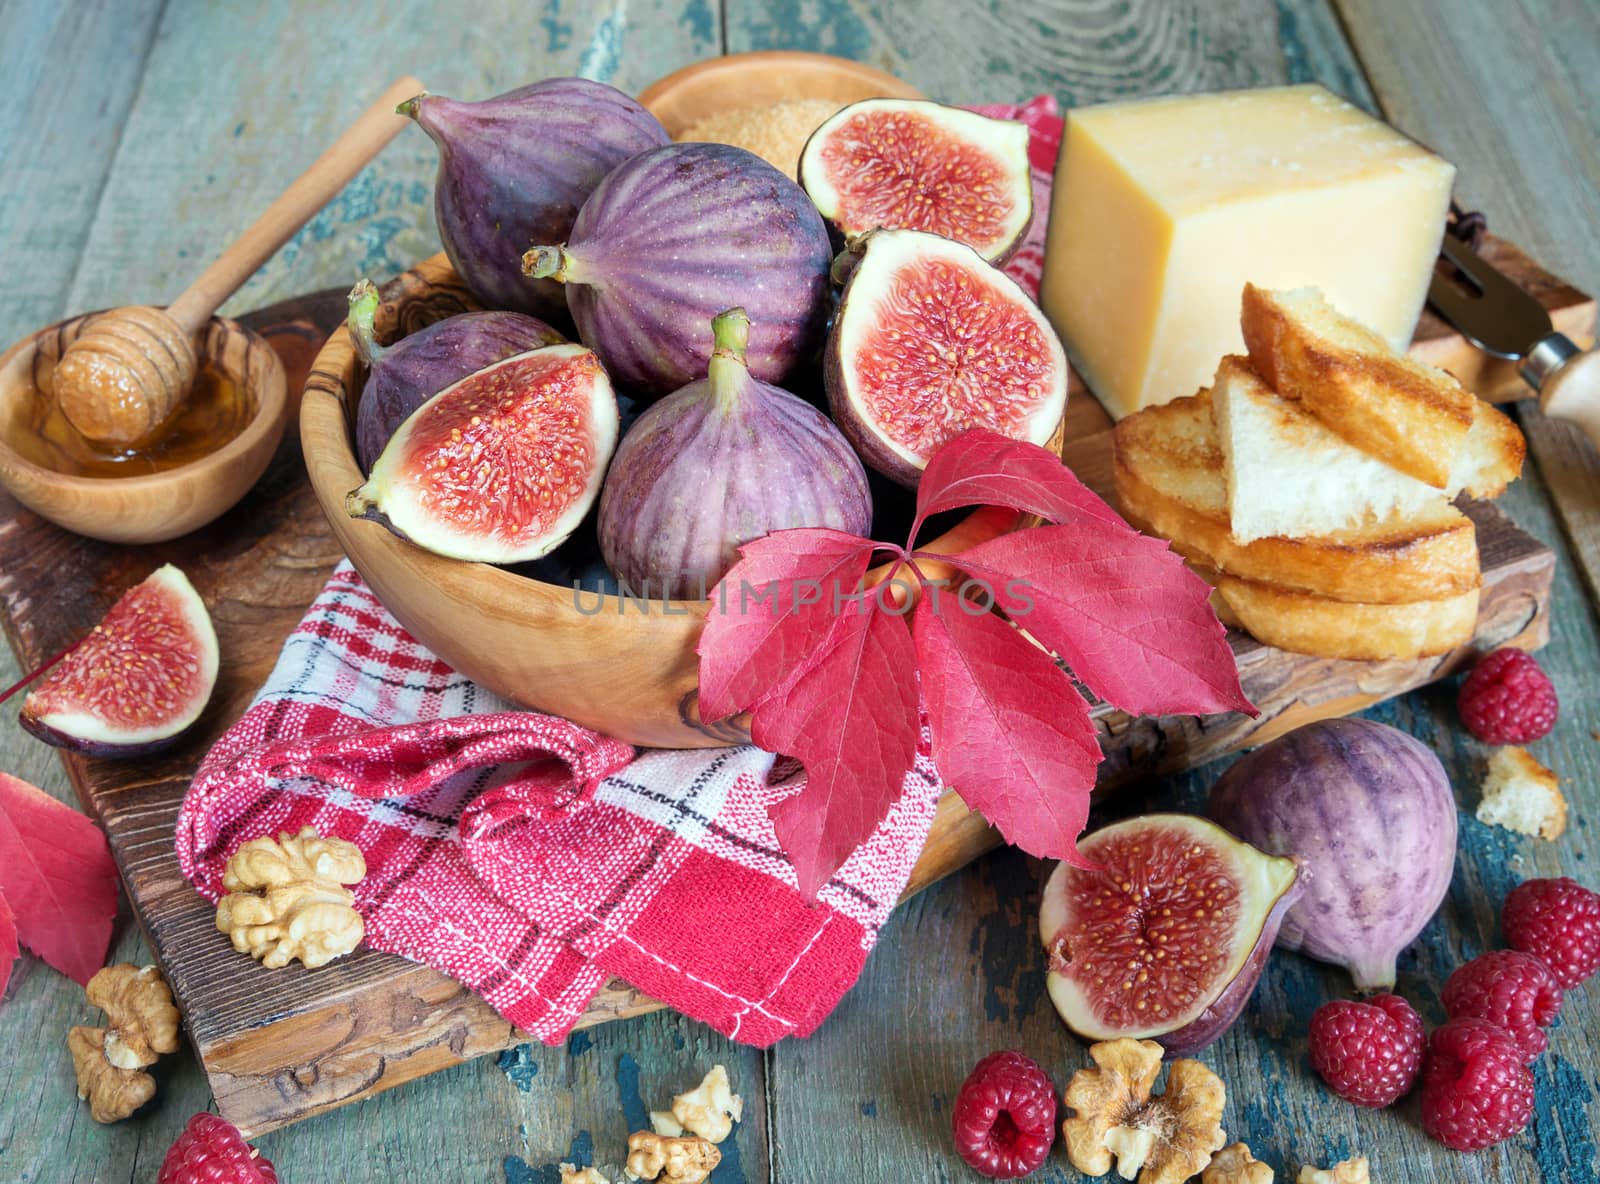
671	1161
286	899
711	1108
1235	1165
112	1093
1166	1139
1348	1171
663	1123
142	1018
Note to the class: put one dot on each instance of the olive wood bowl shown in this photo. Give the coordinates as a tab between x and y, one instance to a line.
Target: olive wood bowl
152	507
616	667
743	80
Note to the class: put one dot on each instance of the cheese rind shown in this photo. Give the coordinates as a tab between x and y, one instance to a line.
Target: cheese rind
1164	209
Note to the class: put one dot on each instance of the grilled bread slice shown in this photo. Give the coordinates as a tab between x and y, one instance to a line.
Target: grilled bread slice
1308	624
1169	480
1289	475
1411	416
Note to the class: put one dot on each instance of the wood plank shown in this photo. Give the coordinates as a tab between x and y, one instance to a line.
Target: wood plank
182	184
1528	156
958	972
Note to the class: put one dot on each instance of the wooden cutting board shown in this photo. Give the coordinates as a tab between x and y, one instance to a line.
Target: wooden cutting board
279	1046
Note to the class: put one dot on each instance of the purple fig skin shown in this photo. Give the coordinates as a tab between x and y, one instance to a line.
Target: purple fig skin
1217	1018
1369	811
105	749
405	375
717	464
673	237
515	169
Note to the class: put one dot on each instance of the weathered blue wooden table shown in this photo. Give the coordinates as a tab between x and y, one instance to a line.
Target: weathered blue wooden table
144	135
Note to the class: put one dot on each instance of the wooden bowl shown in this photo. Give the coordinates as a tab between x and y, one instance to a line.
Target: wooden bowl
615	667
744	80
149	508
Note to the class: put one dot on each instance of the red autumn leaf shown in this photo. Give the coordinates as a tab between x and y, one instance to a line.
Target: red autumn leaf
851	720
57	875
1010	734
1010	731
752	643
984	468
1120	608
8	944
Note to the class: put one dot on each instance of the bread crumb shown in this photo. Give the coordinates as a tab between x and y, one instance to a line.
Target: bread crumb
775	133
1522	795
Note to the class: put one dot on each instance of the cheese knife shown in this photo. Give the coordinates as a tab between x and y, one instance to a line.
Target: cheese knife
1498	317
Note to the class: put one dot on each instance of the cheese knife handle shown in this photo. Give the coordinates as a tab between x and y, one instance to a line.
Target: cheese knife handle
1568	382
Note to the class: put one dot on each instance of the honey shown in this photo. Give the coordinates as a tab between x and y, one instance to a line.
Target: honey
216	410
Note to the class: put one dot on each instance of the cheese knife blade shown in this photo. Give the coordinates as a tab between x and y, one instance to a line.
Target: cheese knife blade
1497	316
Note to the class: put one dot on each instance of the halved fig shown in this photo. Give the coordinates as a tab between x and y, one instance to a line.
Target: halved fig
908	164
138	681
1166	941
503	465
930	341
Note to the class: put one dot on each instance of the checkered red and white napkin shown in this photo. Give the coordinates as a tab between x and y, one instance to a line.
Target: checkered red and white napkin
531	858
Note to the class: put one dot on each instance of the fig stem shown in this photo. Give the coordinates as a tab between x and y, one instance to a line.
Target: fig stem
410	107
548	263
363	313
38	670
730	337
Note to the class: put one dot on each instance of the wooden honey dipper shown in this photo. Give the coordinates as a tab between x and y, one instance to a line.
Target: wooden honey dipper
132	367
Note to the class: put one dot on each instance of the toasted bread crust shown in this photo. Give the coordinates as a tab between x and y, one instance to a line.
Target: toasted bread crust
1492	456
1169	482
1307	624
1409	415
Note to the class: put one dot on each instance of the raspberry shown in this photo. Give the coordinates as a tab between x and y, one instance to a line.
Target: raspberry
1510	989
212	1151
1368	1052
1475	1088
1005	1116
1558	922
1507	699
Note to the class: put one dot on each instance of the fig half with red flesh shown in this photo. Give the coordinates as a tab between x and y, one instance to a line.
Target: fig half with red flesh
930	341
502	466
1166	940
909	164
138	681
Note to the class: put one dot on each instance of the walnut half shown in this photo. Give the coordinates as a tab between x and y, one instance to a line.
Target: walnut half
671	1161
710	1109
1164	1138
139	1009
287	899
112	1093
1348	1171
1235	1165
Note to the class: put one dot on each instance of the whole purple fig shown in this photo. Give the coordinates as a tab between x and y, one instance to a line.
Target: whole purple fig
514	170
405	375
673	237
1369	810
723	461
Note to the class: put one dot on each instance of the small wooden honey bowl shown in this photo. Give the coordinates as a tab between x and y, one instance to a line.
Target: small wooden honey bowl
622	667
745	80
220	443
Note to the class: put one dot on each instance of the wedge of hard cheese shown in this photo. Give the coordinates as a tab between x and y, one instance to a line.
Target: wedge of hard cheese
1164	209
1169	482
